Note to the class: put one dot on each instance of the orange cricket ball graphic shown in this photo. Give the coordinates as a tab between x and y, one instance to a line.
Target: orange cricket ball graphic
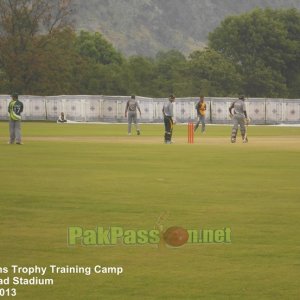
176	236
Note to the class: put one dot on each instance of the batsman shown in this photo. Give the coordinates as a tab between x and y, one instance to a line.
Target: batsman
168	114
239	117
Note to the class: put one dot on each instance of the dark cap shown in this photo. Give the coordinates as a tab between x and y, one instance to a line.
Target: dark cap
242	97
171	96
15	95
132	96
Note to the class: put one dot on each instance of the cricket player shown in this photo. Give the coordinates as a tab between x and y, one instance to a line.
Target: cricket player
61	118
239	117
168	112
131	110
201	110
15	108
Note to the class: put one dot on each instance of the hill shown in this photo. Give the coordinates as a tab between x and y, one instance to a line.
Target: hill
145	27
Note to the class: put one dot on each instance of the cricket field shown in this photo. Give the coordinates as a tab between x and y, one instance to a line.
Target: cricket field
93	176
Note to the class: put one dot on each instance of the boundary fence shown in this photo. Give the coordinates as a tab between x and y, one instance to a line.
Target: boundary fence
101	108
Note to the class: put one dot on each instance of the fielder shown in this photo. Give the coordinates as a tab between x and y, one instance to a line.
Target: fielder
239	117
131	107
15	108
168	112
61	118
201	110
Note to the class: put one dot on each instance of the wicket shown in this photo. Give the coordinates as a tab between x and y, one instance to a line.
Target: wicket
191	133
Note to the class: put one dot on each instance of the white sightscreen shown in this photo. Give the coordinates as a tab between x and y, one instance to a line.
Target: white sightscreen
185	109
113	108
54	107
4	100
101	108
93	109
34	107
274	111
291	112
147	108
256	109
220	110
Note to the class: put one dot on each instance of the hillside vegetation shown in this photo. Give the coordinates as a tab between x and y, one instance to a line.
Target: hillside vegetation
145	27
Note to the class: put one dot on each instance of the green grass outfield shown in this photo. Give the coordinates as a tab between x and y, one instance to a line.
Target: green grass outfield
96	175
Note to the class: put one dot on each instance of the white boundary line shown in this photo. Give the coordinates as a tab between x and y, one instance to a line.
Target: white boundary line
178	124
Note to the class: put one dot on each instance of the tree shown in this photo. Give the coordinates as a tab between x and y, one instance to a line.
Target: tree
170	74
212	74
141	73
26	28
96	48
264	42
102	67
56	68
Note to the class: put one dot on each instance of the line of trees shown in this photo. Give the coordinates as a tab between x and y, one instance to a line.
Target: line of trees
257	54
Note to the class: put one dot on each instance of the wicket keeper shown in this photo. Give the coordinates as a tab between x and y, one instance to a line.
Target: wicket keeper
168	112
239	117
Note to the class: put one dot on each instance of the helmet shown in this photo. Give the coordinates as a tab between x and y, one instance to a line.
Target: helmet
242	97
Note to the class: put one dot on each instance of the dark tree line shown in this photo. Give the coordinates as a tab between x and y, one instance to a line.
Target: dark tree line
257	54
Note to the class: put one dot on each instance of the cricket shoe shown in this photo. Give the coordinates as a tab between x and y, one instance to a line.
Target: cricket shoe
245	140
138	132
232	140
